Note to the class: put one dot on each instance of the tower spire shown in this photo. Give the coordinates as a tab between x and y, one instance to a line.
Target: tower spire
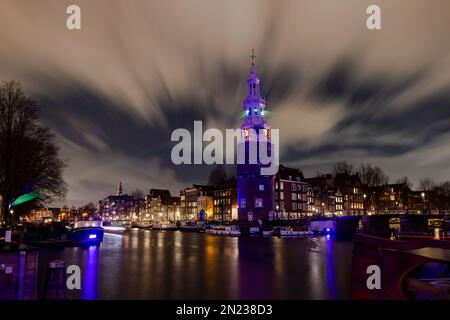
253	57
254	104
119	189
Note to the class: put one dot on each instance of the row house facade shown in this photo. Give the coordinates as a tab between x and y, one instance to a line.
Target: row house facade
349	196
291	194
322	196
196	202
336	194
160	205
118	207
400	199
225	201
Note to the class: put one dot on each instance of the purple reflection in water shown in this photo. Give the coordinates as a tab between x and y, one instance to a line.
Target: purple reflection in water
329	264
88	287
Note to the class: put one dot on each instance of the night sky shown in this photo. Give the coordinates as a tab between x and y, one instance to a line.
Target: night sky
115	90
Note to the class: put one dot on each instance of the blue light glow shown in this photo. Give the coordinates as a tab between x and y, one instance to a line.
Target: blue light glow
92	236
89	286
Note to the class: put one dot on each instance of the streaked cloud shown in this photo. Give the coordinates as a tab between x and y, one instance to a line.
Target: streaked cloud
115	90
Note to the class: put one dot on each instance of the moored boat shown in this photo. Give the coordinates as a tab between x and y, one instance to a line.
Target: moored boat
228	230
254	230
87	232
292	232
165	225
192	226
114	226
143	225
268	233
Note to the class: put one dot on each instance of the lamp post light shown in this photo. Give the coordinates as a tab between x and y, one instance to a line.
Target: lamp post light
364	204
423	200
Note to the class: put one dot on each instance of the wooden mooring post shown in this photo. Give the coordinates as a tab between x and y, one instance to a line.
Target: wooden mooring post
18	272
55	281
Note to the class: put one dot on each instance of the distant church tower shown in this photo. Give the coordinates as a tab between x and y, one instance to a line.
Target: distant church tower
255	191
119	189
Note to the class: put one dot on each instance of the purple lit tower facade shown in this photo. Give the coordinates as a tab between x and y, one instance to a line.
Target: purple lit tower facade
255	191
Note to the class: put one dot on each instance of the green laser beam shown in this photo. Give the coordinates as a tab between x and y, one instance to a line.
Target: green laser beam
24	198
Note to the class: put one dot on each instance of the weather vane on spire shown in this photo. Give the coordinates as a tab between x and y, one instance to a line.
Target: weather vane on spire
253	57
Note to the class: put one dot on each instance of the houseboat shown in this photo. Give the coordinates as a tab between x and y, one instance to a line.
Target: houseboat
228	230
87	232
293	232
193	226
164	225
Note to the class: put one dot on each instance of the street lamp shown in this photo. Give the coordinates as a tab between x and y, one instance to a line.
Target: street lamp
423	200
364	204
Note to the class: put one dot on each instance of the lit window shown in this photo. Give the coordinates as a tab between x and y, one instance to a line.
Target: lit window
261	187
246	133
243	203
258	203
294	196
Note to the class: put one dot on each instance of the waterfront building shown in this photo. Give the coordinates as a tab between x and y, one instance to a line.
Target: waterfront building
435	203
388	198
41	215
159	205
196	202
291	194
349	194
225	201
335	194
399	198
322	196
117	207
255	191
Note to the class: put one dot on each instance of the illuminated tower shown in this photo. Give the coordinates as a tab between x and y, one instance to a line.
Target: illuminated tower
255	190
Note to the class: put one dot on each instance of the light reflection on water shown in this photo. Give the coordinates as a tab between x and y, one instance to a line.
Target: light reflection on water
142	264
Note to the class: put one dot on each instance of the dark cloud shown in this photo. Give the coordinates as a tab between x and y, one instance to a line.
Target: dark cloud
114	91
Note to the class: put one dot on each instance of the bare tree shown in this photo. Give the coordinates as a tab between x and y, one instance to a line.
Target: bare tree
405	180
29	159
426	184
443	189
343	167
372	176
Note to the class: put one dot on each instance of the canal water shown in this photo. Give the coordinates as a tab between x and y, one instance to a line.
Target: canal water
144	264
